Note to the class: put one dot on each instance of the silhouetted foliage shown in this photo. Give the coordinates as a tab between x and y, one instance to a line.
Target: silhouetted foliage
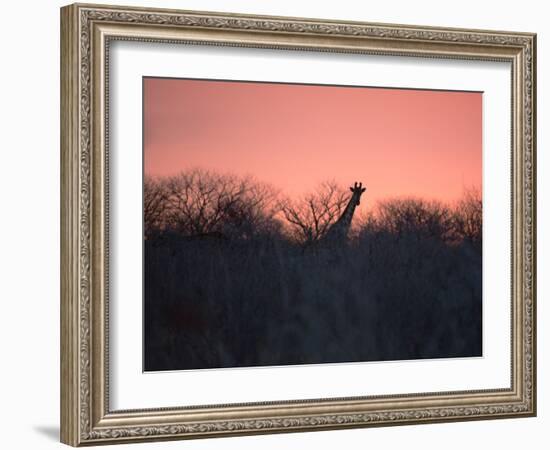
414	217
154	206
234	287
309	218
200	203
468	218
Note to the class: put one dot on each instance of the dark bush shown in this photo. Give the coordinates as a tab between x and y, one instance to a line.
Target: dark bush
406	285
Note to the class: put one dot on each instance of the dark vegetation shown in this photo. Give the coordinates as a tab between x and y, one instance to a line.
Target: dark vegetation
236	275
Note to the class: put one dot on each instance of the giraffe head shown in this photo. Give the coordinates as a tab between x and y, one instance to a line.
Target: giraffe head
357	190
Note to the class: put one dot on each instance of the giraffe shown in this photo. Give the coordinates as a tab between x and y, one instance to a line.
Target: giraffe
338	232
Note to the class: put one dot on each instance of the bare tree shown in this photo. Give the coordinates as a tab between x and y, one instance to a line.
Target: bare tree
310	217
154	206
414	216
201	202
253	212
468	217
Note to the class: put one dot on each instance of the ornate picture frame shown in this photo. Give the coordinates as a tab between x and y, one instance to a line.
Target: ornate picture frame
87	31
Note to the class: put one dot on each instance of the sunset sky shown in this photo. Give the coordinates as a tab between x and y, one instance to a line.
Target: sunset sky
398	142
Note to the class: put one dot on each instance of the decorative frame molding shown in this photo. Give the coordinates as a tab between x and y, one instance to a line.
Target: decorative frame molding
86	31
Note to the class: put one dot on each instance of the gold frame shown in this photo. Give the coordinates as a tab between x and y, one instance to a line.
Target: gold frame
86	31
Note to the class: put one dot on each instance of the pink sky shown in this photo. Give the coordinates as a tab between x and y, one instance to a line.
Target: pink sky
398	142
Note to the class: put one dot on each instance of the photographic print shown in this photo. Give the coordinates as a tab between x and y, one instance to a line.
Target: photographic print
342	212
290	224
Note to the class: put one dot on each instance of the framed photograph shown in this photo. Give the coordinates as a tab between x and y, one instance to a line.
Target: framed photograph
274	224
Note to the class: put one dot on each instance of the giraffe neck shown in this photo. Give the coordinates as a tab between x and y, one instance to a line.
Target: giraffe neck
345	220
342	225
